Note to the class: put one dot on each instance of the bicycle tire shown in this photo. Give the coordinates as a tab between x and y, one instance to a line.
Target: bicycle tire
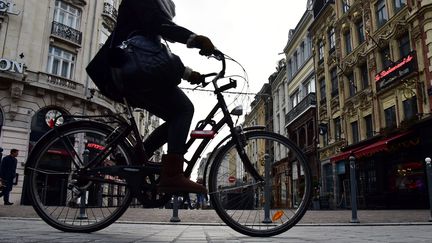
241	204
57	197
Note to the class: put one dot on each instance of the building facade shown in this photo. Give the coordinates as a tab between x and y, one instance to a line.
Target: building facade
43	60
372	67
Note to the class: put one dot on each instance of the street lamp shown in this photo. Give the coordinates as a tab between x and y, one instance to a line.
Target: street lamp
429	179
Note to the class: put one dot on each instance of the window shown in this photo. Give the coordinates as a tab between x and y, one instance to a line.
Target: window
360	32
351	84
390	117
290	72
61	62
354	132
385	57
364	76
294	63
346	5
328	173
337	128
368	126
404	46
67	14
295	98
309	86
347	39
381	13
322	90
332	39
320	51
410	108
301	54
399	4
334	82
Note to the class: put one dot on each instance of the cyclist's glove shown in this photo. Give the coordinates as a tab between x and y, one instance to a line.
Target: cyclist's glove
195	78
201	42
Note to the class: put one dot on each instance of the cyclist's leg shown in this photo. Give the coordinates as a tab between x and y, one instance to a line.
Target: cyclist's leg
176	109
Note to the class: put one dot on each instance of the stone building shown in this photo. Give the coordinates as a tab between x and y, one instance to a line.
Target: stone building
46	46
372	63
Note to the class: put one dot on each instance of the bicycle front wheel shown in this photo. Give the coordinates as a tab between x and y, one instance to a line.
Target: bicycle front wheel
258	208
64	199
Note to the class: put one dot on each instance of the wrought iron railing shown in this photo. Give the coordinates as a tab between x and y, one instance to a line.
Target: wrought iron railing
66	32
308	101
110	11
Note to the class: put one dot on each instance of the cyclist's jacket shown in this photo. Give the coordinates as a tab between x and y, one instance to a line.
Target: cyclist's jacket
152	17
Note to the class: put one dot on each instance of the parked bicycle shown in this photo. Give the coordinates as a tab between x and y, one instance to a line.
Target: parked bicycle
97	172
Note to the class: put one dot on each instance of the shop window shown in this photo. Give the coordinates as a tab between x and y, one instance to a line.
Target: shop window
390	117
351	84
322	91
347	39
355	132
368	126
399	4
332	39
61	62
360	32
334	82
328	173
404	46
381	13
67	14
385	57
337	128
410	108
364	76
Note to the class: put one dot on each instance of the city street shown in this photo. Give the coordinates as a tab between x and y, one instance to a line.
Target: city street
32	230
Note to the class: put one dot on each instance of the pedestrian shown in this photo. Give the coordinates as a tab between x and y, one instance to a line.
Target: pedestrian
154	19
7	173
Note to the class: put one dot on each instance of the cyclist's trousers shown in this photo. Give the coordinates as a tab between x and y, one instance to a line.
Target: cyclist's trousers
175	108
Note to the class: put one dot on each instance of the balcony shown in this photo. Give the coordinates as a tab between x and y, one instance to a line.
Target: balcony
109	14
308	102
66	33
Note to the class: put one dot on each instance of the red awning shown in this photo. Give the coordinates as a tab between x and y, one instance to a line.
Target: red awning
368	150
379	146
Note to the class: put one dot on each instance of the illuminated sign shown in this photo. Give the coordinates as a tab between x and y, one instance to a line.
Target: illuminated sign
399	69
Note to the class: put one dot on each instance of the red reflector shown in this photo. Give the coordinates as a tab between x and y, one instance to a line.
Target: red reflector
202	134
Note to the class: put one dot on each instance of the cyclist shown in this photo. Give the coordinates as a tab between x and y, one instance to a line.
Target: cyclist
154	18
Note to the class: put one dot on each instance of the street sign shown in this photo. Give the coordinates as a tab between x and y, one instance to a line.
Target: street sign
231	179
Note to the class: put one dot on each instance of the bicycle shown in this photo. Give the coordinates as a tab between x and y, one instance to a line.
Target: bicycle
83	174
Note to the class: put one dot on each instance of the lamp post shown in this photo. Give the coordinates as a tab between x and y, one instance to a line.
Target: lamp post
353	182
429	179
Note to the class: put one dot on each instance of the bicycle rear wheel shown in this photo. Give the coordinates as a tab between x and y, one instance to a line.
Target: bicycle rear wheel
261	208
64	199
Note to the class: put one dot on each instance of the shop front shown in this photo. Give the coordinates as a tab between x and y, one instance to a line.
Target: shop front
390	173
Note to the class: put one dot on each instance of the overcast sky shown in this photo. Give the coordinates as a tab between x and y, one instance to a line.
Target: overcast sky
253	32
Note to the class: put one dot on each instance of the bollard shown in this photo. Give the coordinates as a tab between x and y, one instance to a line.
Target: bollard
82	213
353	182
175	217
429	179
267	189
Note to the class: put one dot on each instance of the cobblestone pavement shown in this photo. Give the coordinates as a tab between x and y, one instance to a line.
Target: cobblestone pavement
209	216
35	230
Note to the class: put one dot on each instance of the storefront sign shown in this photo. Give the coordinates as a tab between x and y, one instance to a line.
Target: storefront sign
7	7
399	69
11	66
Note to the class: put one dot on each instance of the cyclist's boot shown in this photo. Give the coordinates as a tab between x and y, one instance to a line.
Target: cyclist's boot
172	179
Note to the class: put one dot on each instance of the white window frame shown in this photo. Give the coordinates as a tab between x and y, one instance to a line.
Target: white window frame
64	59
67	14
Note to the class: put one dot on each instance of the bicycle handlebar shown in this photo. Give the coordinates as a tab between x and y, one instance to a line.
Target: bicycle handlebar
218	55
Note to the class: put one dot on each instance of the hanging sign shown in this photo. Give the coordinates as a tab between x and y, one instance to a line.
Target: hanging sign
397	70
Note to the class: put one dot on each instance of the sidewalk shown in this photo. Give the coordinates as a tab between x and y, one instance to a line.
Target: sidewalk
209	216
